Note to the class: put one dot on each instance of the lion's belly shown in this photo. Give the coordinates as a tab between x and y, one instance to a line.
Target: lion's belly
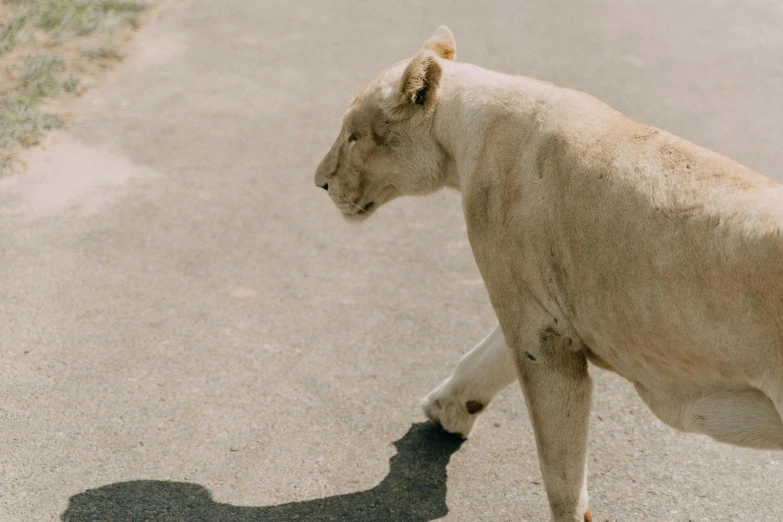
686	303
708	356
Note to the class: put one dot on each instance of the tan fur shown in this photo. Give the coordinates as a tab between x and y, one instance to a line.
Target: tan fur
442	42
599	239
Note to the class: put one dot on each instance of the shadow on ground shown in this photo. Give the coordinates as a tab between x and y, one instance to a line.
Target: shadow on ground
413	491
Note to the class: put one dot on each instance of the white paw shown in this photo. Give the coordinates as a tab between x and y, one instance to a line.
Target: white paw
450	406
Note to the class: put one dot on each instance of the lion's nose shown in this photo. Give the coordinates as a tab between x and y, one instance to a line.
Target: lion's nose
325	186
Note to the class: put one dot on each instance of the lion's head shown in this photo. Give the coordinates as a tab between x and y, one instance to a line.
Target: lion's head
385	148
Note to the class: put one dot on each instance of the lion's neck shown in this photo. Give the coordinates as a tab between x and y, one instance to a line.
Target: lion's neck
479	107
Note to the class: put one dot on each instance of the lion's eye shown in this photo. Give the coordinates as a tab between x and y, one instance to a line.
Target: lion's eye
352	137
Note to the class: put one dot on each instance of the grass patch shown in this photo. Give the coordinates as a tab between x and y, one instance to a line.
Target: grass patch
103	52
9	32
80	16
51	49
21	124
38	78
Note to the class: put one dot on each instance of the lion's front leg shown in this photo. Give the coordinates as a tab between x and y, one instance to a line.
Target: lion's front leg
480	375
557	388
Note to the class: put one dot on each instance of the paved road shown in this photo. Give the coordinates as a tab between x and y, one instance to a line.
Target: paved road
190	332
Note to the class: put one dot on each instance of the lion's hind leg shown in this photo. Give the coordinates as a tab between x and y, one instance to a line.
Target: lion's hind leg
744	418
741	417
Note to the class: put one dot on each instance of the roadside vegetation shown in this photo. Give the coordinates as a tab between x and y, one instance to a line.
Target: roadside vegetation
50	50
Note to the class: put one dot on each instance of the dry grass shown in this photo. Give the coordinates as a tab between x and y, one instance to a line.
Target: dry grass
50	49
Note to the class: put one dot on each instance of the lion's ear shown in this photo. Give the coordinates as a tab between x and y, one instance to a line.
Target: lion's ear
420	80
442	43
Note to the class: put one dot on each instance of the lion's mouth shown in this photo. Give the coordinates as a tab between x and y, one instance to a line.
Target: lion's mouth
358	212
366	208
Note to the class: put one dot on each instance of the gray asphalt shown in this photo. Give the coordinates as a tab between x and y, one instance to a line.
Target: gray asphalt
190	332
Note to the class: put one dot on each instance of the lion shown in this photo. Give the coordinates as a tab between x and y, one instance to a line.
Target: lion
600	240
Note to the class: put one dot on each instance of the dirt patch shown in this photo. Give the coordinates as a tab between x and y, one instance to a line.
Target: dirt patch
51	50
